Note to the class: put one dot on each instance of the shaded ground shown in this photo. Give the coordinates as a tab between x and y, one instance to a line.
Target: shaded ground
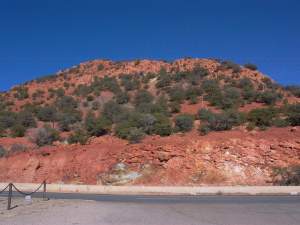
216	210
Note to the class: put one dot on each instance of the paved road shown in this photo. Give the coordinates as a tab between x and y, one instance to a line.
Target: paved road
65	209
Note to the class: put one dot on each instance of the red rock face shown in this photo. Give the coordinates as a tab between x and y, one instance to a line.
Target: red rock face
223	158
220	158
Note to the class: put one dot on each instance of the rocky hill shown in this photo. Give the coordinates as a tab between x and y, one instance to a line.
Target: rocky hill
186	122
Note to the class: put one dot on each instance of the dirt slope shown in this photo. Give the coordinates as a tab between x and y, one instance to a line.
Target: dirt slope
232	157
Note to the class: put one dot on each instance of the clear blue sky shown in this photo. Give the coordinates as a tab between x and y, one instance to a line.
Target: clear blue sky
42	36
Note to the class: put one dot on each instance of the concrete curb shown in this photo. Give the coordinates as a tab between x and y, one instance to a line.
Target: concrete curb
162	190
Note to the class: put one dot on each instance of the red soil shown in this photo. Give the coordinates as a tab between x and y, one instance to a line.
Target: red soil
232	157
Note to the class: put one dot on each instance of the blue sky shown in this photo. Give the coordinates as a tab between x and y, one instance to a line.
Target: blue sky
41	37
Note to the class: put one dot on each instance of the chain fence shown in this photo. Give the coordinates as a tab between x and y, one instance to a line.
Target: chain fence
12	187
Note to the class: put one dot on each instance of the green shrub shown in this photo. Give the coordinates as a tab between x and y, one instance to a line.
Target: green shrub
18	130
130	82
90	98
204	129
7	119
95	105
147	77
122	129
38	94
100	67
122	98
200	71
205	114
268	97
184	122
135	135
262	117
66	103
220	121
106	84
97	126
46	78
294	89
245	83
164	79
176	94
175	107
147	123
192	92
26	118
231	98
83	90
16	148
293	114
143	96
210	86
113	111
250	66
2	151
47	114
230	65
66	119
21	93
45	136
163	125
289	176
249	94
279	122
79	136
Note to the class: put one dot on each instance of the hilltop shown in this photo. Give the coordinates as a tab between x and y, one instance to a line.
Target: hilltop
185	122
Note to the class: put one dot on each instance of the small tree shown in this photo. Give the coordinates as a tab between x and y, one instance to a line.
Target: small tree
143	96
176	94
79	136
26	119
184	122
47	114
45	136
97	126
205	114
250	66
163	125
112	111
122	98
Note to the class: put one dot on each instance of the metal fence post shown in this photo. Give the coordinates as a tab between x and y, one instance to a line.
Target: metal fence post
44	191
9	196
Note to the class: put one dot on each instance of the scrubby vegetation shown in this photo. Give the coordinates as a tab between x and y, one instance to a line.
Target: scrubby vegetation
184	122
2	151
294	89
45	136
289	176
143	104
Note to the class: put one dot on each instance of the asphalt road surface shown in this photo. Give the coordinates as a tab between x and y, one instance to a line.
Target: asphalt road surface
74	209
